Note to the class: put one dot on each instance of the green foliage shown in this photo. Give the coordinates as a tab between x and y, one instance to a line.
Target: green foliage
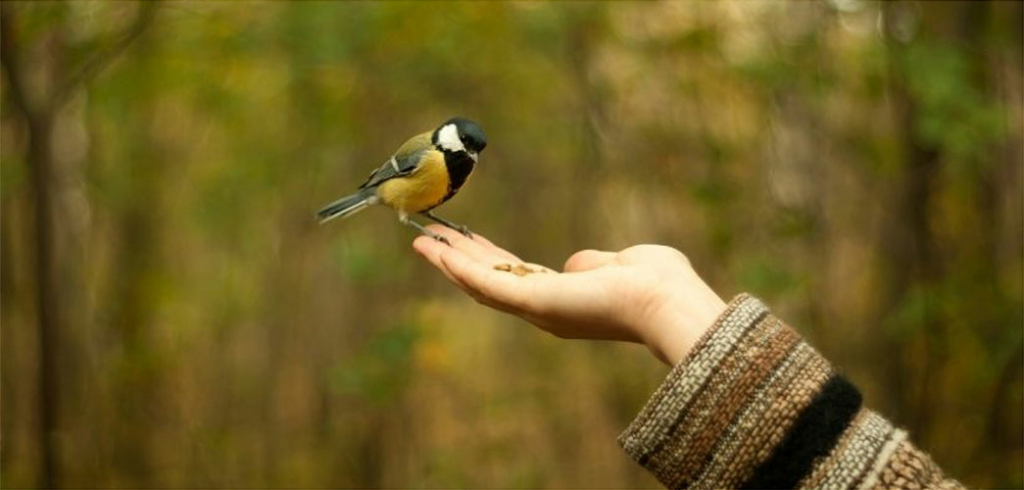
381	372
956	116
766	276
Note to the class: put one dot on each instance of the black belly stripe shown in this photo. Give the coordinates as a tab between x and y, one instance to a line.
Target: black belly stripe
460	165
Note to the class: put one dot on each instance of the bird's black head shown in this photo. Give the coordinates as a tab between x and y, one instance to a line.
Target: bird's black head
460	134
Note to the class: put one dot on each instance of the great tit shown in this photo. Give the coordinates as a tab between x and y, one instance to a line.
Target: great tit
426	171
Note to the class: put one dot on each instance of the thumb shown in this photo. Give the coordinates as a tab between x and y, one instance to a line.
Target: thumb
585	260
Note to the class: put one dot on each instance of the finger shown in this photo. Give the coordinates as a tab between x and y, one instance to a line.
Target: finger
499	289
431	249
505	254
472	248
585	260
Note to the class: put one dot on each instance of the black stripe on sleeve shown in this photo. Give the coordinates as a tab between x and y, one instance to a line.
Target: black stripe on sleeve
815	432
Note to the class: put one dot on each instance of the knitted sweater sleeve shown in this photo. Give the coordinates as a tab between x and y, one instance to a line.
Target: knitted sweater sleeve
753	406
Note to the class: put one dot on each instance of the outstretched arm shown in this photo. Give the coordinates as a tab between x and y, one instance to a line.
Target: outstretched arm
748	404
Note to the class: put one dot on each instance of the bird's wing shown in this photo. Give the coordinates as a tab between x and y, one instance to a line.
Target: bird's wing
404	162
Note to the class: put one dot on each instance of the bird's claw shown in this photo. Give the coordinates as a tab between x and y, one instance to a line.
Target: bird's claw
465	231
438	237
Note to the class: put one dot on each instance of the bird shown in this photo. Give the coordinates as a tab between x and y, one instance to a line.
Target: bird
425	172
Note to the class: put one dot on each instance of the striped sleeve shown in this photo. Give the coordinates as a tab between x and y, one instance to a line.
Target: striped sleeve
754	406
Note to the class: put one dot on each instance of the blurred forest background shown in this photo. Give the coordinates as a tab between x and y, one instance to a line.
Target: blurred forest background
173	316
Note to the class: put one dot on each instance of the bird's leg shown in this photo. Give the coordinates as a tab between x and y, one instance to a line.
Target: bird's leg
404	218
459	228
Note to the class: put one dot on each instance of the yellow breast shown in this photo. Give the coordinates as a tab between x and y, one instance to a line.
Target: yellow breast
420	190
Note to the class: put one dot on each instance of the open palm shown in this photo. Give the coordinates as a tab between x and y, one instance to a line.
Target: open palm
647	293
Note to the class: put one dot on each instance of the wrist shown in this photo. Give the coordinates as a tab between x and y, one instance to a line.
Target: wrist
685	313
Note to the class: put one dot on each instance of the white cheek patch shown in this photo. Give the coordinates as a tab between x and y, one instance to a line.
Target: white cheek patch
448	138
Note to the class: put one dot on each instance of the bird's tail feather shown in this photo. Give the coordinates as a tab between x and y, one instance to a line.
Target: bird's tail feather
348	205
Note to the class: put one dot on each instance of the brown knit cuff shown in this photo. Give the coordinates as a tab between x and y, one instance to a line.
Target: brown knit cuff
652	427
726	408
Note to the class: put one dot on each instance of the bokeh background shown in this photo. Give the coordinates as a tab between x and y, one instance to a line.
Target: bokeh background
173	316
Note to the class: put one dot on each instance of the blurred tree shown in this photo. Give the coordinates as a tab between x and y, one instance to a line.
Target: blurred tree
54	83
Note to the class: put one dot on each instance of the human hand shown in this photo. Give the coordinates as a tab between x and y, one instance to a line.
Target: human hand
647	294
